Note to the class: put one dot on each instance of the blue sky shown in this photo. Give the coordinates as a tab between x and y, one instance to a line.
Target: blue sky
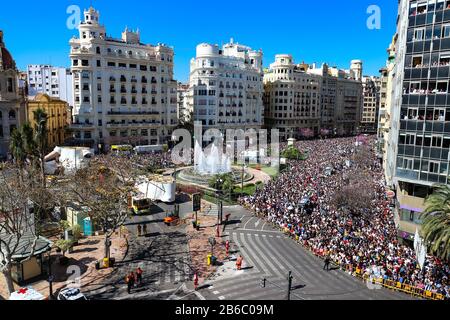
332	31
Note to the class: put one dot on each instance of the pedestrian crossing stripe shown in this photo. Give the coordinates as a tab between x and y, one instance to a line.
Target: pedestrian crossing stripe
216	292
221	298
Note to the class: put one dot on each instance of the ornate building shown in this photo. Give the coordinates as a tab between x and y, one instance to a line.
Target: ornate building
124	90
226	87
12	112
292	98
57	117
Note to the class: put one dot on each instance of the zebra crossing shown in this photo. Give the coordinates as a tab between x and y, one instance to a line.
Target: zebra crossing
272	256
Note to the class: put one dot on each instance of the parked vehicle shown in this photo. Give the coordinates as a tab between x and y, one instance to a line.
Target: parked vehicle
71	294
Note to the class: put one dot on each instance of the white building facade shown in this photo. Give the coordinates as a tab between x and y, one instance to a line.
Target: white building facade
183	111
54	81
226	87
124	90
292	98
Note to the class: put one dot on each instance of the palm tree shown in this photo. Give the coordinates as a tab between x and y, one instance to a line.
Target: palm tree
436	222
18	148
41	140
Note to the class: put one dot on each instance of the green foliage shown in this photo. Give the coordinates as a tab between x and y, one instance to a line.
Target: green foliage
222	182
436	222
64	245
64	225
292	153
77	234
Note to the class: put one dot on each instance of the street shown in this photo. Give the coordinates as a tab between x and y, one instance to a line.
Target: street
270	254
163	256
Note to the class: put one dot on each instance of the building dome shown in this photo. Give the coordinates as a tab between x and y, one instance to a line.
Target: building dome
7	60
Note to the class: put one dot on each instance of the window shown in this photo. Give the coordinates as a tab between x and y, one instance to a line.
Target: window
12	115
436	142
99	63
446	31
439	114
442	86
85	63
10	86
433	167
408	164
413	113
417	61
97	50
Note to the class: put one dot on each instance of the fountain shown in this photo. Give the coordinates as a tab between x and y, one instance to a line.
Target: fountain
209	163
213	163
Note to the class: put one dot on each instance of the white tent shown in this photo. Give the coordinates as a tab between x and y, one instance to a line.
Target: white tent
27	293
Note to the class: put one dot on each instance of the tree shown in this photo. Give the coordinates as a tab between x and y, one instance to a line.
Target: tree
292	153
103	188
17	221
221	182
64	245
354	196
40	141
436	222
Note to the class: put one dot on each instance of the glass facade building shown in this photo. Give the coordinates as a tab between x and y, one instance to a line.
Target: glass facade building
424	122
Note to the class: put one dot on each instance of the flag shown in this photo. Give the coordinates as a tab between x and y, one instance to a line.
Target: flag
420	249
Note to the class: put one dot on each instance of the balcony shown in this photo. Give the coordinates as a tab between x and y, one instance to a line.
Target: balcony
119	113
78	125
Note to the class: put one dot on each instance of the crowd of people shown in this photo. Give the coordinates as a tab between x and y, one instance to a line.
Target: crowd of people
300	201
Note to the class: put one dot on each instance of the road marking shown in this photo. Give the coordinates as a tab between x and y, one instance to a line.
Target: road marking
263	226
257	223
256	235
216	292
253	230
245	225
244	249
264	235
221	298
211	287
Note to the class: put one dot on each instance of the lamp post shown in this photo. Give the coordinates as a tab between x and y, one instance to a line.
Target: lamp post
50	276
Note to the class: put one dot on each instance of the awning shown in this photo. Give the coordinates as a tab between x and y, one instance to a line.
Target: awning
25	246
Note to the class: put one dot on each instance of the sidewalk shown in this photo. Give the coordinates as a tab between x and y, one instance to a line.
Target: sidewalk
200	248
84	256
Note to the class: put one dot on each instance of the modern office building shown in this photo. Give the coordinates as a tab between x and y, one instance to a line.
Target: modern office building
226	86
421	112
291	98
12	111
371	103
55	82
124	90
58	118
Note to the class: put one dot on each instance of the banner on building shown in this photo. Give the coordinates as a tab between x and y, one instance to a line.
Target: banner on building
420	249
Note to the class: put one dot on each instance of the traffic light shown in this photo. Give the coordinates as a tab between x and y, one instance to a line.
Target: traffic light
263	282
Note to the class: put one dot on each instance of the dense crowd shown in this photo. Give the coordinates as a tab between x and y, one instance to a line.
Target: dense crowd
300	201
